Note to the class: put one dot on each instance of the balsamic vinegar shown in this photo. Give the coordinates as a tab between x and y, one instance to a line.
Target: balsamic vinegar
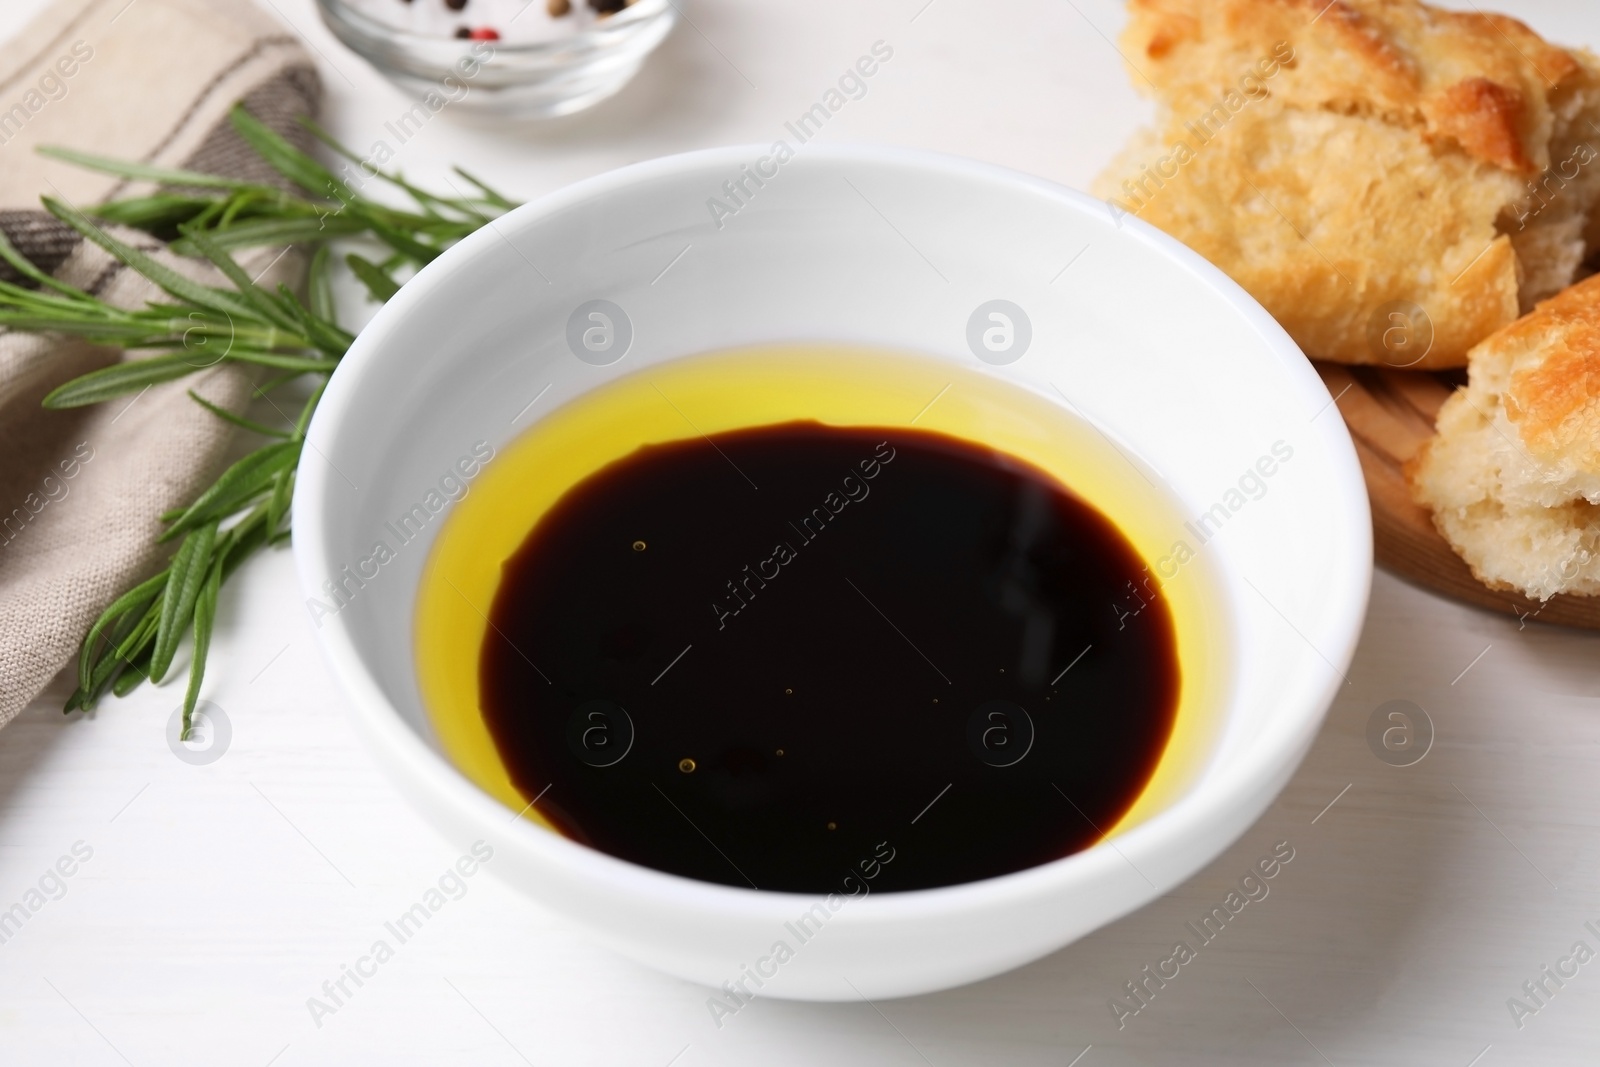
812	658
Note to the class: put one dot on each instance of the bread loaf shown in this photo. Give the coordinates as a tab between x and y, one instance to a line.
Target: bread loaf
1513	474
1393	181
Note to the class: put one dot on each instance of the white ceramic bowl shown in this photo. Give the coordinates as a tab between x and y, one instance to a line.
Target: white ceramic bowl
1162	352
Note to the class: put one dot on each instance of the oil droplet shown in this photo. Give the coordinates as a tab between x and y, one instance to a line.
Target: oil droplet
833	826
686	765
638	546
788	692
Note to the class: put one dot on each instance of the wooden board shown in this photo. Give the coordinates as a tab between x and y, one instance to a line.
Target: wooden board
1390	414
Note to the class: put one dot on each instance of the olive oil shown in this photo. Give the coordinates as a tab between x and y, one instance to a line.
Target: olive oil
766	617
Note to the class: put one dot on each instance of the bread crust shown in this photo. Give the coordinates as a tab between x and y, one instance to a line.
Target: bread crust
1481	80
1385	160
1553	396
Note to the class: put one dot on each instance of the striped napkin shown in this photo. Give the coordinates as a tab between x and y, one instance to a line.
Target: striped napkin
81	491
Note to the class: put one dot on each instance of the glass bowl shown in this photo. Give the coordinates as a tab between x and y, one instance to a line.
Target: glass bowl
507	78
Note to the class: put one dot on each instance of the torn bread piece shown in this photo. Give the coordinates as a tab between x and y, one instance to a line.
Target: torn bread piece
1513	474
1393	181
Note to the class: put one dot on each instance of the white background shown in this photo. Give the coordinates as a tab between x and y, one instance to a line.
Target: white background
219	898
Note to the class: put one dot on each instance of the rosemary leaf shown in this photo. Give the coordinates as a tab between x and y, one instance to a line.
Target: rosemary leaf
278	502
320	286
24	266
220	300
131	675
403	243
311	406
238	420
205	616
245	538
265	304
141	635
280	231
120	609
119	379
298	364
159	212
238	484
104	671
286	159
128	652
374	277
115	333
184	578
322	334
489	195
147	172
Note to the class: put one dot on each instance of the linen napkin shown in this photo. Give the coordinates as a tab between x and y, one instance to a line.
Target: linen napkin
81	491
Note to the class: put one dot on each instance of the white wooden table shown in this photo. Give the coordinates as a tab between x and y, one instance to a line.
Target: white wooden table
219	898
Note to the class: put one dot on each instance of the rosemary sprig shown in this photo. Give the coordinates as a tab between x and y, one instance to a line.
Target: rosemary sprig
209	216
238	214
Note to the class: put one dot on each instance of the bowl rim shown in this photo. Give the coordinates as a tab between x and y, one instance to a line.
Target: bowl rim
377	32
1281	743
